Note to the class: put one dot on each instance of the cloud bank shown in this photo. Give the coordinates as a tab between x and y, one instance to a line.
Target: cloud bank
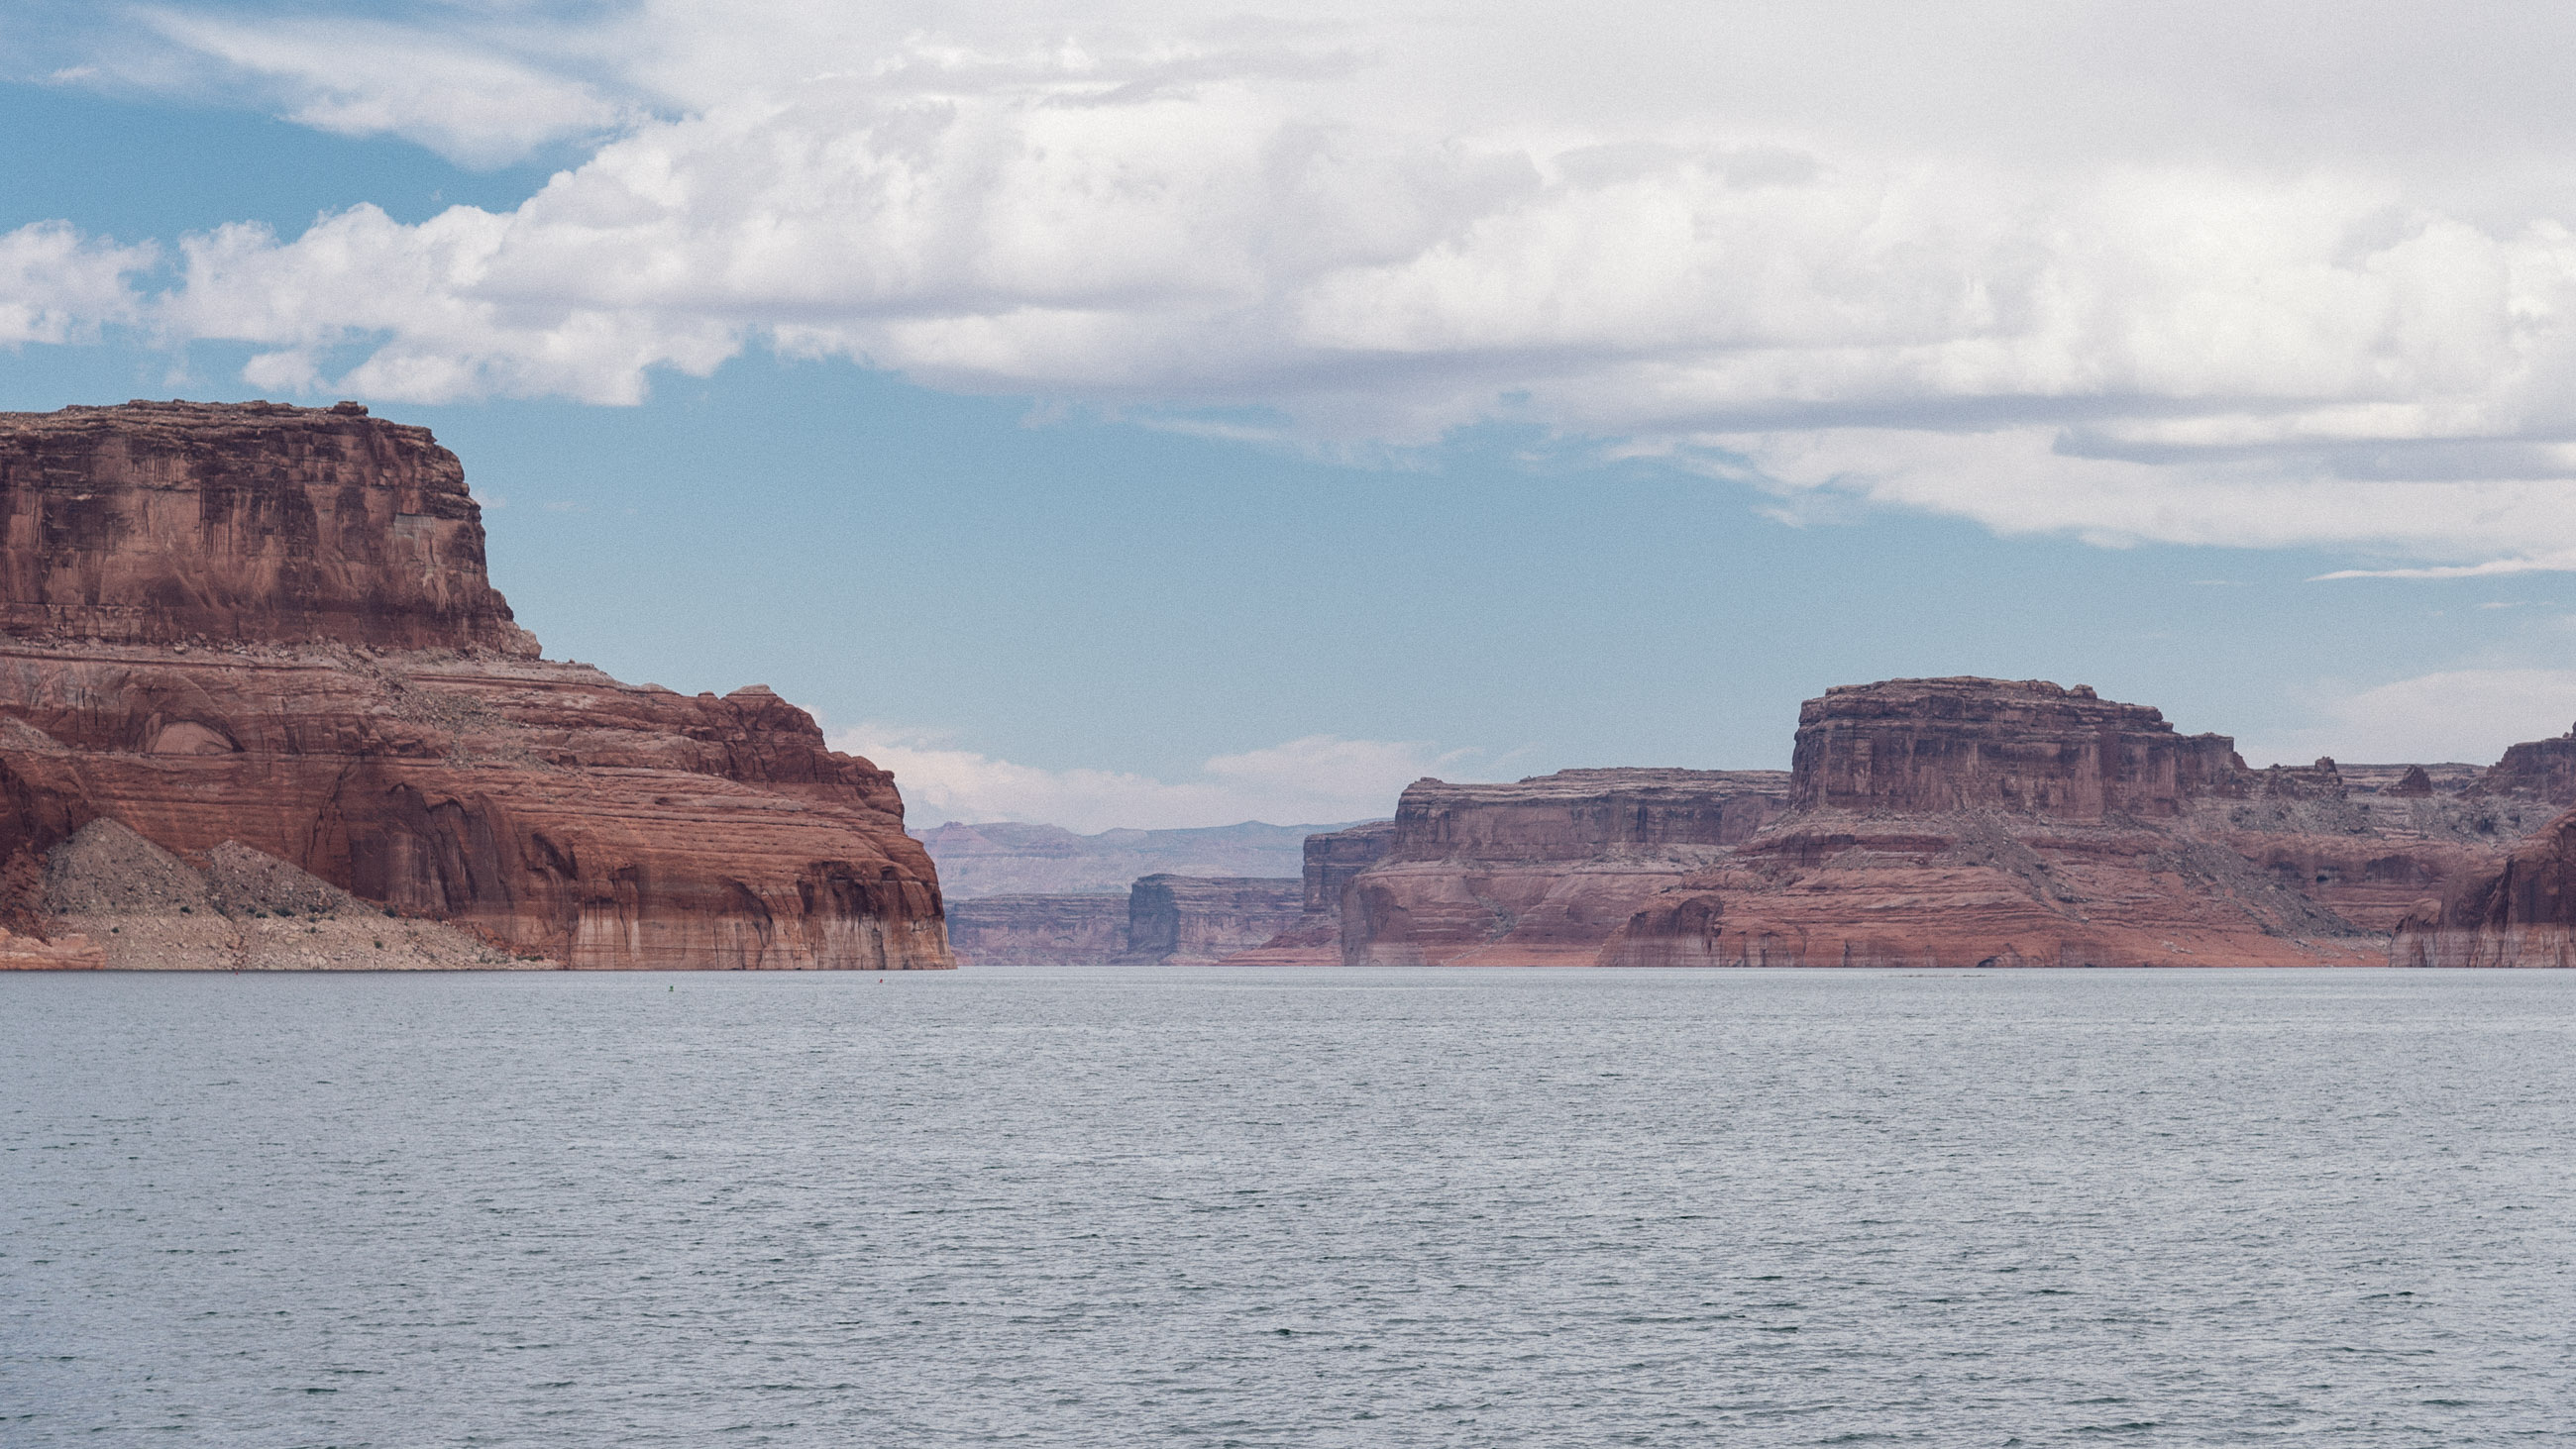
1315	780
2270	274
2467	715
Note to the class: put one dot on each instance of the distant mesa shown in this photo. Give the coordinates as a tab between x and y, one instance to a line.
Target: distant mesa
267	629
257	696
1013	858
1162	920
1965	822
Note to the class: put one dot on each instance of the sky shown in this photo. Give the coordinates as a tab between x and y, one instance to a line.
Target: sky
1148	414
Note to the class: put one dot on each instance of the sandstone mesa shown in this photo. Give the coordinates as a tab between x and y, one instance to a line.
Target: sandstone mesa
269	628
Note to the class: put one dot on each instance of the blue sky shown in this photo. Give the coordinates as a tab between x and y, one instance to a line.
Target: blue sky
1154	415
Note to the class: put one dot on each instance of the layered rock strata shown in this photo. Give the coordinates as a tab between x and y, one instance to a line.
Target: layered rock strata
235	909
1015	858
1333	860
1542	871
1038	930
1162	920
1939	822
1961	822
1178	920
271	626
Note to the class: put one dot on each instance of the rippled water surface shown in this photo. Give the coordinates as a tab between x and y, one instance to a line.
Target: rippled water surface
1210	1207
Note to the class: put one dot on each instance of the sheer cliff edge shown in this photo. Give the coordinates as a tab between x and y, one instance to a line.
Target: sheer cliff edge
272	626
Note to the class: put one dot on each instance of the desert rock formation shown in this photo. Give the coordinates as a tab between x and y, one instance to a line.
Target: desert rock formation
1938	822
1332	861
271	626
1038	930
1015	858
1163	920
1542	871
1179	920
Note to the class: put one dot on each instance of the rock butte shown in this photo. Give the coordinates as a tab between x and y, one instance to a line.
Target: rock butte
1969	822
271	626
1162	920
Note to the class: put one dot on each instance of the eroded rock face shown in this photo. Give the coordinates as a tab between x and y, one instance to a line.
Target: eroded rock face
1942	822
2521	912
333	683
1912	746
1059	930
1178	920
1333	859
154	523
1014	858
2538	769
1542	871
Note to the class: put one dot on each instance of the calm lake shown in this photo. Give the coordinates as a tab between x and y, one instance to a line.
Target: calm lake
1106	1207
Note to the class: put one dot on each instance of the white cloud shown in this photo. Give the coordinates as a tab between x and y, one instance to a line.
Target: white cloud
2459	714
57	286
2215	274
465	96
1315	780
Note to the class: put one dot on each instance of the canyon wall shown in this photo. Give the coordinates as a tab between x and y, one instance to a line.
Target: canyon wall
1015	858
271	626
1541	871
1178	920
1162	920
1961	822
2520	913
1915	746
1332	860
1935	822
1038	930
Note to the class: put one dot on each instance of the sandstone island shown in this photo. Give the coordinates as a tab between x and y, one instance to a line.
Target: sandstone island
1923	823
260	707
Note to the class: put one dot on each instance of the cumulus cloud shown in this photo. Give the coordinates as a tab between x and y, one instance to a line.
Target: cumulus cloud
57	286
2458	714
2255	274
1317	779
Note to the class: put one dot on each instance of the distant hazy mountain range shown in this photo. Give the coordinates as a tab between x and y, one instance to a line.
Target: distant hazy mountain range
1010	858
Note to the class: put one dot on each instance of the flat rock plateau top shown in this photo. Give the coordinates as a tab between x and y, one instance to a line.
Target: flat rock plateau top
252	627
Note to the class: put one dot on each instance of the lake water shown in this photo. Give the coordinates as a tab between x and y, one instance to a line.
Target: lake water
1233	1207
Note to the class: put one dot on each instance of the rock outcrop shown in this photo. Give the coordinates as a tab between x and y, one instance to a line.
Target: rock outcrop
235	909
271	626
1179	920
2538	770
1162	920
1035	930
1932	822
1923	746
1013	858
1540	872
1961	822
2522	912
1333	860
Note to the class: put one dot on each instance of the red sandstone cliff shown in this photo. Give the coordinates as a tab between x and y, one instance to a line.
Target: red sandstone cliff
272	625
1944	822
1540	872
1966	822
1333	859
1162	920
1038	930
1179	920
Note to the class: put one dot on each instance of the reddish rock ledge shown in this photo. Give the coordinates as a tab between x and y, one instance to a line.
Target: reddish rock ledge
1940	822
271	625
